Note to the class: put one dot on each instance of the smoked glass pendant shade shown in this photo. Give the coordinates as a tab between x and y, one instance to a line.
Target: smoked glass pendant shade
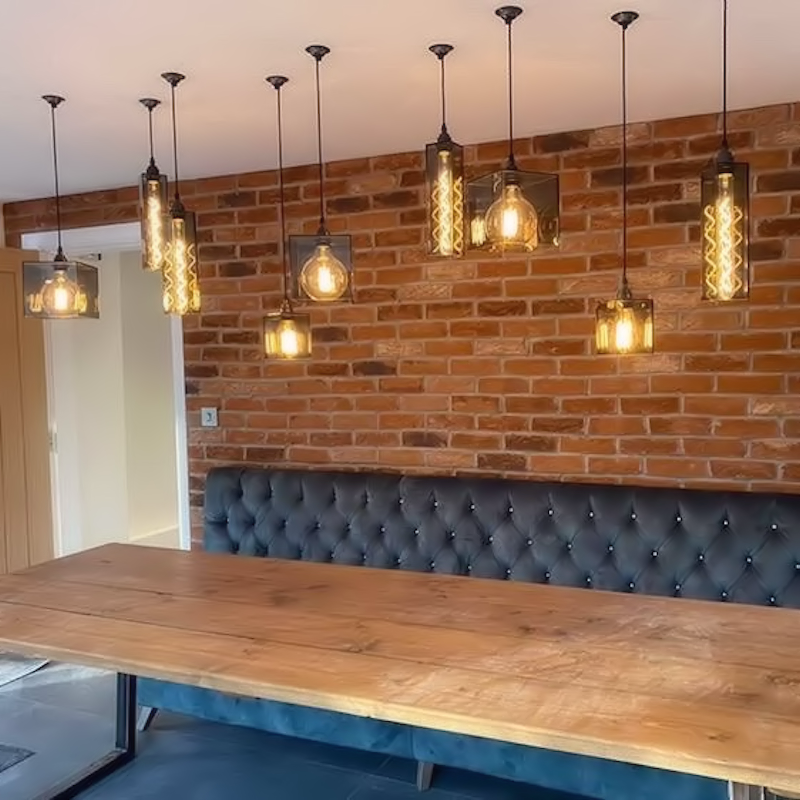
624	326
287	335
180	285
444	189
724	198
60	289
322	268
154	216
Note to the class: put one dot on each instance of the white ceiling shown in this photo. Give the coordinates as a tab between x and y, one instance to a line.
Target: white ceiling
380	84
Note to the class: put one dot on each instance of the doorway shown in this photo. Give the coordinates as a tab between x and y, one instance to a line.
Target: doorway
116	403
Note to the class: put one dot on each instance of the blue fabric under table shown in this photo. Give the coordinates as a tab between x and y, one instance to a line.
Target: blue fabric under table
581	775
319	725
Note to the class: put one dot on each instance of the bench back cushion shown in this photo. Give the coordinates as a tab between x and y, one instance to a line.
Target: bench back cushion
739	547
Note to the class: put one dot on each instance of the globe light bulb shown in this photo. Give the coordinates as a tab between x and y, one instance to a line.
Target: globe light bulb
61	296
512	222
323	277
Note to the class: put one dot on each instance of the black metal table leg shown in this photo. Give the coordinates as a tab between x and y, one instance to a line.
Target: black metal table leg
123	752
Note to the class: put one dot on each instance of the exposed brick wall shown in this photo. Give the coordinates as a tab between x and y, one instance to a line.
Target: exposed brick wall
485	365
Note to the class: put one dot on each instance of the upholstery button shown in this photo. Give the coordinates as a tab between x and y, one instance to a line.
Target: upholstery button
631	585
797	567
588	580
436	504
433	565
491	539
511	509
416	531
569	545
701	557
472	506
611	548
452	535
397	561
591	515
547	576
724	595
677	587
774	526
772	601
549	512
725	523
469	567
331	555
508	572
679	518
530	544
633	515
655	553
401	501
317	526
383	529
364	557
749	560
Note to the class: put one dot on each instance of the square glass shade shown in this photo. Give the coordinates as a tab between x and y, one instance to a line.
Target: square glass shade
154	219
725	231
444	192
287	335
321	268
499	226
624	327
180	285
60	290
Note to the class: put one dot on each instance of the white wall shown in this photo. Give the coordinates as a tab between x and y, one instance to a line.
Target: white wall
113	412
151	461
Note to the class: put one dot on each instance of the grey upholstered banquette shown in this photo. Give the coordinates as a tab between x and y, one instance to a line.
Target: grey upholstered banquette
709	545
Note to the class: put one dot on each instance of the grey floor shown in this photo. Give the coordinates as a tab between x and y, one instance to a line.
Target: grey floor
65	716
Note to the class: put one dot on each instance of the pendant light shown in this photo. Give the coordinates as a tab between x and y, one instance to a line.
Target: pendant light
59	289
322	265
512	210
153	202
444	181
287	335
725	200
624	326
179	283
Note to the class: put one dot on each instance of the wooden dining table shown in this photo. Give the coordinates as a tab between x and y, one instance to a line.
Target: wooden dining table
706	688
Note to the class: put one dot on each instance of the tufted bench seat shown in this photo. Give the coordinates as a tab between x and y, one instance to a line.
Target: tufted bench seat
725	546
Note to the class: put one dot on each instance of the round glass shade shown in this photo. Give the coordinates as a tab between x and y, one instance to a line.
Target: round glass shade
323	277
511	221
287	336
62	297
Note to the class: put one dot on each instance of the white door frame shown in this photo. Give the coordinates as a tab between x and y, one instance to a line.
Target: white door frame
117	238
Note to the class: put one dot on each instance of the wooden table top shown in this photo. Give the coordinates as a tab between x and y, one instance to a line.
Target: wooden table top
705	688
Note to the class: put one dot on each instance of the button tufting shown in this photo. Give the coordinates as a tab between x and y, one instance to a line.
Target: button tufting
631	585
547	576
433	565
725	523
436	504
611	548
749	560
588	580
469	567
511	509
401	501
452	535
679	518
724	595
549	512
530	544
383	529
364	557
701	557
677	587
797	567
398	561
569	545
491	539
654	554
508	572
772	600
591	515
633	515
472	506
416	531
774	526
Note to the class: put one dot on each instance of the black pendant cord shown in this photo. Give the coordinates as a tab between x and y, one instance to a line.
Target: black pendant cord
725	75
175	148
509	66
624	158
442	87
54	101
150	129
60	251
318	52
278	81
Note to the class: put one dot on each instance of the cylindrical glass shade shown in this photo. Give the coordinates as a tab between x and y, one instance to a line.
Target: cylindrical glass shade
444	189
512	223
287	336
153	211
60	290
725	232
179	282
323	277
624	327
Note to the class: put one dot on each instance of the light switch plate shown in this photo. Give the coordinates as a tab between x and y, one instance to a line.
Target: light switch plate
208	418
